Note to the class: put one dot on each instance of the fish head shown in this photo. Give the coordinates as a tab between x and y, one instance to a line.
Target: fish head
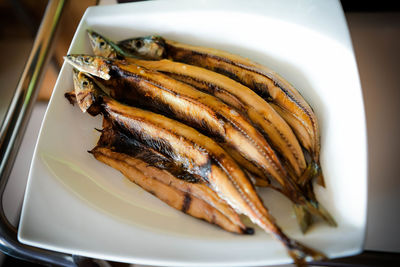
94	65
149	47
101	46
82	82
87	93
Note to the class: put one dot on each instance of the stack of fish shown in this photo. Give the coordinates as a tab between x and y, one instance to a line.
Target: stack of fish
200	129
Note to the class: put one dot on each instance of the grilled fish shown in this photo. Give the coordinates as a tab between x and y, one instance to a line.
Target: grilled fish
265	82
242	98
160	176
233	93
196	154
138	86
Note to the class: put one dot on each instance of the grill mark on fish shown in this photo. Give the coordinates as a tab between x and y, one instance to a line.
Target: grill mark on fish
219	208
285	139
195	122
262	151
115	138
207	87
263	92
170	111
159	145
214	113
227	73
225	175
165	148
243	132
212	88
187	58
218	160
186	202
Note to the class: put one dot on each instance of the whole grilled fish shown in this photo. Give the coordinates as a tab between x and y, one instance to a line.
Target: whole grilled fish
138	86
195	153
265	82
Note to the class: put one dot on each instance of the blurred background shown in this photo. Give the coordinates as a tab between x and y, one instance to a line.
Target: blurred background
375	32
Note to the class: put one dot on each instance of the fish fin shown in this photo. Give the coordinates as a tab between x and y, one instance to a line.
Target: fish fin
303	216
301	254
311	171
321	179
317	209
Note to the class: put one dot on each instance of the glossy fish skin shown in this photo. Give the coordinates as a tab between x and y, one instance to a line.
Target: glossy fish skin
219	170
259	111
238	96
201	156
164	180
262	80
162	185
242	98
233	93
100	49
136	85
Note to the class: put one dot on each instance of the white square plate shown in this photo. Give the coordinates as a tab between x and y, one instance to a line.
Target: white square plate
75	204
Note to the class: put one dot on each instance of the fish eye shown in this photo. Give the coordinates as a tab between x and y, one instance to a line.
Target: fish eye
85	83
102	43
86	60
139	43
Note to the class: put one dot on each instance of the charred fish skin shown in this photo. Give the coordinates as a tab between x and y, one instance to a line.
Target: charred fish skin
261	114
195	152
114	145
187	103
221	175
114	137
216	167
123	93
179	198
229	91
135	84
262	80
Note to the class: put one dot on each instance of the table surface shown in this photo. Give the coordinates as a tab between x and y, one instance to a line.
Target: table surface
376	41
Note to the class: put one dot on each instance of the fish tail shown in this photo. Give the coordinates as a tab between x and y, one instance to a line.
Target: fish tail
317	209
301	253
303	216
